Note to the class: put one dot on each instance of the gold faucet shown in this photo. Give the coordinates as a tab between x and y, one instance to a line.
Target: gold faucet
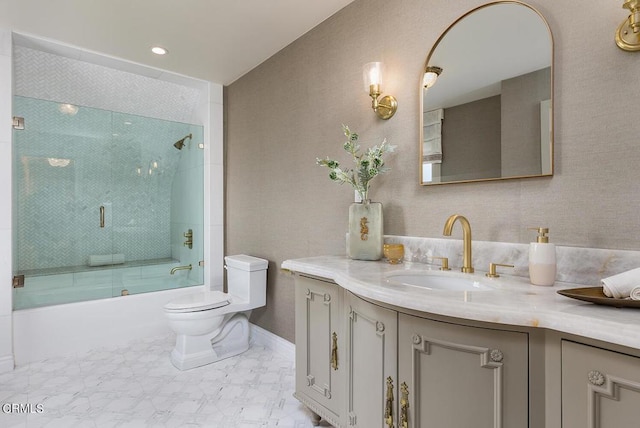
177	268
466	236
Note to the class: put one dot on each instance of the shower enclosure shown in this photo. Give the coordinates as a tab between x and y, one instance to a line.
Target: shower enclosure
105	203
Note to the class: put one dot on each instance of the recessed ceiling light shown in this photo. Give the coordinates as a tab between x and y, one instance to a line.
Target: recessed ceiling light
69	109
59	162
159	50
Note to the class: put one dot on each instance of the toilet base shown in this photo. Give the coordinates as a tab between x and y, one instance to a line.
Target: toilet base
229	340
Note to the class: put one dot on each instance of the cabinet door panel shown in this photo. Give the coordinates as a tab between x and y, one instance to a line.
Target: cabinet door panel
318	317
600	388
371	333
461	376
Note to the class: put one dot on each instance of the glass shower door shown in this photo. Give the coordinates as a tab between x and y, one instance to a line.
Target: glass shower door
104	202
58	194
156	201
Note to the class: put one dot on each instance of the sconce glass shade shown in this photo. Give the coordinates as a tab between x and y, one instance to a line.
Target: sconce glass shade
386	106
372	75
431	74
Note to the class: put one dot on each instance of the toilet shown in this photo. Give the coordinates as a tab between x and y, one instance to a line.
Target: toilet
212	325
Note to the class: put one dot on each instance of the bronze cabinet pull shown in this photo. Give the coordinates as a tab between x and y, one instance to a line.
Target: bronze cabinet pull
404	406
334	351
388	409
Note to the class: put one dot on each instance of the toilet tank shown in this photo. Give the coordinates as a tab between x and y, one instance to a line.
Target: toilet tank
247	278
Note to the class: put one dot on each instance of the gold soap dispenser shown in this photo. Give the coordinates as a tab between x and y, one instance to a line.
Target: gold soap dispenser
542	259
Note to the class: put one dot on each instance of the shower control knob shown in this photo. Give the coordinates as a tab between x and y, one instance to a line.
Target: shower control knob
189	235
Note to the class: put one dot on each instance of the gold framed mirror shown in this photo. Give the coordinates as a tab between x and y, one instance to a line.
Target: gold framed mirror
489	114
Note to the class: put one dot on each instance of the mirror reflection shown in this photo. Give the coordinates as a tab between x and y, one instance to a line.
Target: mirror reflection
488	115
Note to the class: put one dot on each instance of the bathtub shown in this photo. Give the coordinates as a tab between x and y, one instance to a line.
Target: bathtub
71	313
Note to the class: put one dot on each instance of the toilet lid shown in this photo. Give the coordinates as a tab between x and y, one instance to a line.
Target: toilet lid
198	302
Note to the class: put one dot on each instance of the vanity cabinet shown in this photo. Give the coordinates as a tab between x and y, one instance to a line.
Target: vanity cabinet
359	364
600	388
460	376
390	366
320	347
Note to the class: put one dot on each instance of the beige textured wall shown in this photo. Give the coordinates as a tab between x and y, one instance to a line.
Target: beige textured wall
289	110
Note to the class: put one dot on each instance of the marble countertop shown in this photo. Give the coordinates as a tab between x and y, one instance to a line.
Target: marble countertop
513	300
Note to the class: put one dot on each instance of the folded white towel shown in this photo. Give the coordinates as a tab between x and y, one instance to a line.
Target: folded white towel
635	293
620	286
105	259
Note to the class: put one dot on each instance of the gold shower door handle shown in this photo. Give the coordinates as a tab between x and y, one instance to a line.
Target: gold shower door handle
101	215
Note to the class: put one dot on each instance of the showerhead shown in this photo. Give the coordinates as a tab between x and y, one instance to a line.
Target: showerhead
180	143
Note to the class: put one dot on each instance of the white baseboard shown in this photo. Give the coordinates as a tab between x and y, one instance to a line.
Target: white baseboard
260	336
6	364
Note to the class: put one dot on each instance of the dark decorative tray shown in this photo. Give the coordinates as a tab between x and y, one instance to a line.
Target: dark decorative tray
595	295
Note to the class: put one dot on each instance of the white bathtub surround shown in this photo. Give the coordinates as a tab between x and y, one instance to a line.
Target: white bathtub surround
575	265
136	385
514	302
61	330
6	247
6	355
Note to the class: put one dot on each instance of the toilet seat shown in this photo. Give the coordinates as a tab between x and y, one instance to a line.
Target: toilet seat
197	302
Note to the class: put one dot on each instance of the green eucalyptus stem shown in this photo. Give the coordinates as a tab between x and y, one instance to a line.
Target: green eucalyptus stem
367	165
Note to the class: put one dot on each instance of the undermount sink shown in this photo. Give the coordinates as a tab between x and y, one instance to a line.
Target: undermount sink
438	281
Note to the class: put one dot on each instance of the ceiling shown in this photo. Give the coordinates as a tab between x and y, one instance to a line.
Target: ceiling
474	66
214	40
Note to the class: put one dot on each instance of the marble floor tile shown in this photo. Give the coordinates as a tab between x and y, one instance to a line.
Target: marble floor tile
137	386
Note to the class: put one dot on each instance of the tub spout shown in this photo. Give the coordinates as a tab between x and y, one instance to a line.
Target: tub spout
177	268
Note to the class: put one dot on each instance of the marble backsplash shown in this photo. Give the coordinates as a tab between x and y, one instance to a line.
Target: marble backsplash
585	266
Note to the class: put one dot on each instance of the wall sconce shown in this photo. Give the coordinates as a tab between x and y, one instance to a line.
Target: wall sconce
431	74
386	106
628	34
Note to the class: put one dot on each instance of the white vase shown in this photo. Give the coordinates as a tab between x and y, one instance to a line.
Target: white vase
365	231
